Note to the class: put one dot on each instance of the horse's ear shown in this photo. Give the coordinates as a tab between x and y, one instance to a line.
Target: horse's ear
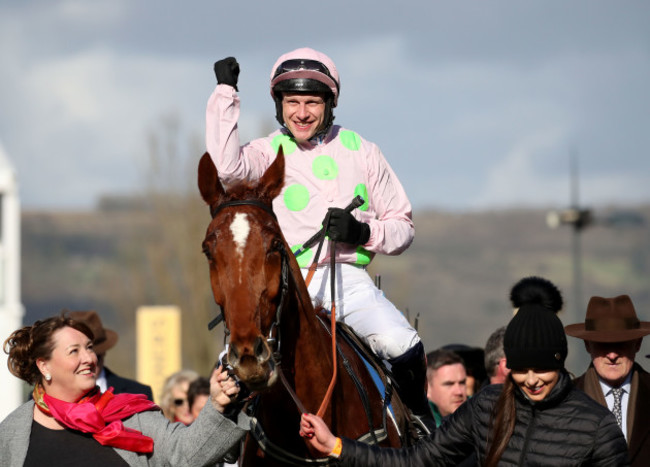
209	184
272	181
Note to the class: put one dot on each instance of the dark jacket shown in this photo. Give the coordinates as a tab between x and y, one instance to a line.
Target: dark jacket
125	385
566	429
638	410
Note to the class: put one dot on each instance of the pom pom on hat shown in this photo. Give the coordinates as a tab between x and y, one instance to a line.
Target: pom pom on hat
536	290
535	336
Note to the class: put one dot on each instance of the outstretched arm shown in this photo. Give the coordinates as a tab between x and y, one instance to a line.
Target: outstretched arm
317	434
351	453
233	162
449	445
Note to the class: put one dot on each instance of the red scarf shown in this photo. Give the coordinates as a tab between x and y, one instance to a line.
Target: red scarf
101	415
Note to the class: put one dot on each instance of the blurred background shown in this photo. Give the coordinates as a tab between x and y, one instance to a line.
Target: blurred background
501	120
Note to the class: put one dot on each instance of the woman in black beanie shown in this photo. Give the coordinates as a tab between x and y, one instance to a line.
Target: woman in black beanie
536	418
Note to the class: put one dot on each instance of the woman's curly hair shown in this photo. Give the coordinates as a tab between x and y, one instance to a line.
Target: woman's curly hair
28	344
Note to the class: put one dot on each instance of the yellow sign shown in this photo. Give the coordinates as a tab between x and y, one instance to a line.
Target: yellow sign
158	345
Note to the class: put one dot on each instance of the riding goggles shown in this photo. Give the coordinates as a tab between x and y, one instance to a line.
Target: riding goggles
296	64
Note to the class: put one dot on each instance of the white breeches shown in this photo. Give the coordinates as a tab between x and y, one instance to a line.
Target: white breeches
364	308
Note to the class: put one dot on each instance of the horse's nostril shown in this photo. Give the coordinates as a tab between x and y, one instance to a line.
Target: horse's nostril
233	355
261	349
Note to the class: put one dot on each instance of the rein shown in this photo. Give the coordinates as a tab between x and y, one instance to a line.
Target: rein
274	338
310	275
320	237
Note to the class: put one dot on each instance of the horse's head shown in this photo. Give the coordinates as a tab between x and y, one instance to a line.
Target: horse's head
248	259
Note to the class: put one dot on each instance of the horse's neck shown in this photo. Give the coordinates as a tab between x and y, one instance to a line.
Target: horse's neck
305	329
303	333
304	306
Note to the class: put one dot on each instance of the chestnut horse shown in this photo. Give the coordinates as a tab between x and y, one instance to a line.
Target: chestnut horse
279	347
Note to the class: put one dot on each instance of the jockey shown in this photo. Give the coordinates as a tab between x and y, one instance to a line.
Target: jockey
326	167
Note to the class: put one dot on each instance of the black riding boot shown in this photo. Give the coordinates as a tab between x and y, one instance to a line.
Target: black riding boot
410	373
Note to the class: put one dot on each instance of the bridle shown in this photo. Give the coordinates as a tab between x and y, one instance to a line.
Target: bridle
273	337
214	210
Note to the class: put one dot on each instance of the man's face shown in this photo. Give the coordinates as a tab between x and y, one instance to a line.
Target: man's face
613	361
447	388
303	114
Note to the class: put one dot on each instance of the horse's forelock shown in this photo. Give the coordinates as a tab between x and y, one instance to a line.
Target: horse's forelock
245	191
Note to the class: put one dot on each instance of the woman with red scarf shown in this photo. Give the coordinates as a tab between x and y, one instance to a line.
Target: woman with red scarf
70	422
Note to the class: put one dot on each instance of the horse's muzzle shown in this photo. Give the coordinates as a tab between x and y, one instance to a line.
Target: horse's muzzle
252	363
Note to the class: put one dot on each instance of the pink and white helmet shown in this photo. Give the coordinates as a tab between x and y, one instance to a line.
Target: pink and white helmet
305	70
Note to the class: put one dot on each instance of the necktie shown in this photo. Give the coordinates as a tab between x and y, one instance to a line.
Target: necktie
618	394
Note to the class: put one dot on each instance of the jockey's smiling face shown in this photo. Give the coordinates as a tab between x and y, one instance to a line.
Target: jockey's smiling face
303	114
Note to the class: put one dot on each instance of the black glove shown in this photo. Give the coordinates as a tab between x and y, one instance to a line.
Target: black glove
343	227
227	72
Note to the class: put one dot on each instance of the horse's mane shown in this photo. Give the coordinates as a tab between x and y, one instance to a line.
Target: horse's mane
320	309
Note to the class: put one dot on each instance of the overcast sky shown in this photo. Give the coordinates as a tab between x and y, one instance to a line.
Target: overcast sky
475	104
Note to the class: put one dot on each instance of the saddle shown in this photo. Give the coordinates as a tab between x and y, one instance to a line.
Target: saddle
384	384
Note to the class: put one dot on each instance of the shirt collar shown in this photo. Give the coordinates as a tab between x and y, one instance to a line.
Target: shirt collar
606	388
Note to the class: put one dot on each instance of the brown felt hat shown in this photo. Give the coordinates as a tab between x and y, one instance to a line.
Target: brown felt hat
104	338
609	320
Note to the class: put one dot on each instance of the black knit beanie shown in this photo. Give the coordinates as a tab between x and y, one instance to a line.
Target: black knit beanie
535	336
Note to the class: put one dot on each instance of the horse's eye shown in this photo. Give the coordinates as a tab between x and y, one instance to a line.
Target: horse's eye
206	251
276	244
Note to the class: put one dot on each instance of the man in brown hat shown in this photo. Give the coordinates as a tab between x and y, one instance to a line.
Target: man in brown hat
105	339
613	334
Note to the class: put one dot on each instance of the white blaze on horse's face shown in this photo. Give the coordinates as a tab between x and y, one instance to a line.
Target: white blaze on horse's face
240	228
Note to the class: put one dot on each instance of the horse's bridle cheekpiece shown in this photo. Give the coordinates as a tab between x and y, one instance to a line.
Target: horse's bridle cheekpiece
273	338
